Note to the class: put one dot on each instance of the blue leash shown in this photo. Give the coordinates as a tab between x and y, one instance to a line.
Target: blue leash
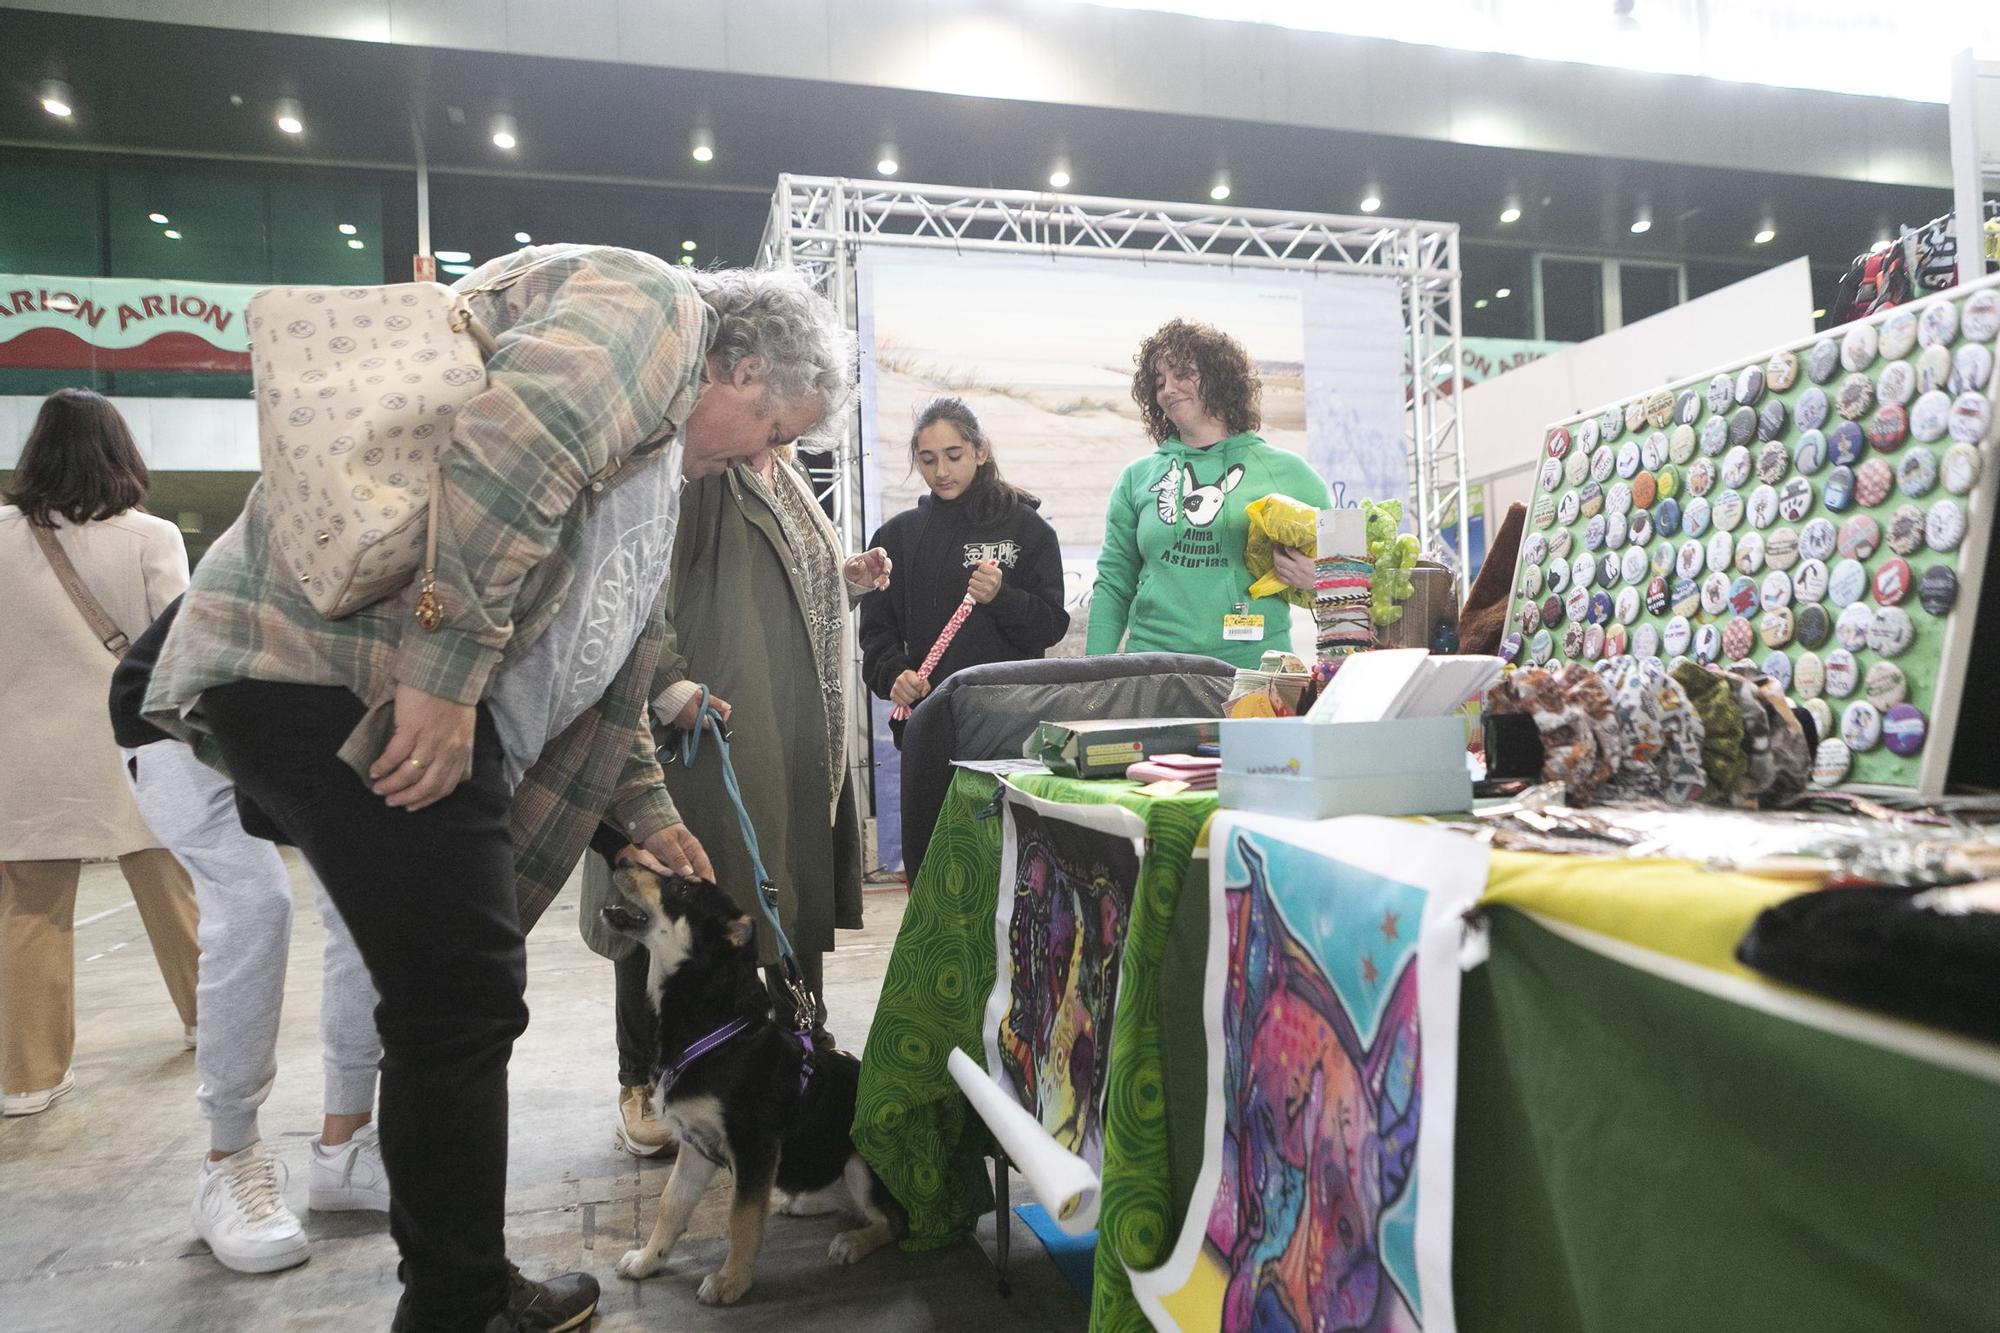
767	889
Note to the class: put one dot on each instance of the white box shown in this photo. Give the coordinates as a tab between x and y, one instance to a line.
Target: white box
1323	798
1315	770
1341	532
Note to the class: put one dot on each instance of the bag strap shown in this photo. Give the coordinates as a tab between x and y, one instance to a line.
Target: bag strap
108	634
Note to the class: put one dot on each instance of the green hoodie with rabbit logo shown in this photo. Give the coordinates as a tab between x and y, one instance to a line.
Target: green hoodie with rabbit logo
1172	563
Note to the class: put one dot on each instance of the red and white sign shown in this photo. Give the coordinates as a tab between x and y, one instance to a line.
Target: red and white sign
66	323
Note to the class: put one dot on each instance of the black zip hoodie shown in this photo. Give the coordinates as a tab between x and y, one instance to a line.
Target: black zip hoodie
935	547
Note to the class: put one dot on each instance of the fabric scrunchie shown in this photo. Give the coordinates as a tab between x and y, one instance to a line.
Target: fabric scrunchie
1721	728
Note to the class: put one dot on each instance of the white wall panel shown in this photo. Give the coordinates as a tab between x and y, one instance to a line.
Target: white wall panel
687	34
571	29
347	20
784	38
173	434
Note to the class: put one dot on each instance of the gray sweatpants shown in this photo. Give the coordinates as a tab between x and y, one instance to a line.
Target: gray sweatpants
245	897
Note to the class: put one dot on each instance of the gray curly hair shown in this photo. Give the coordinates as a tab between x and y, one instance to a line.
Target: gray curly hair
807	350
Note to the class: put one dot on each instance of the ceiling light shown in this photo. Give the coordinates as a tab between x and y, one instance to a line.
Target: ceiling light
505	132
1059	174
1503	293
688	260
1642	221
1765	236
689	246
703	146
1371	201
1511	213
356	244
459	270
347	229
158	219
291	116
171	234
885	161
1819	314
1220	190
57	99
1480	304
522	237
453	256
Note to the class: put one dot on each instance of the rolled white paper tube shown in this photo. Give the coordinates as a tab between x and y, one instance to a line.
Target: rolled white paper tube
1062	1182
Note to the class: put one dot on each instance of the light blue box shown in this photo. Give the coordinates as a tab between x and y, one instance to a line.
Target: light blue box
1315	770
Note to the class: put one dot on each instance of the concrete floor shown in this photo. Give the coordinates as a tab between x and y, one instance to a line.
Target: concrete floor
94	1193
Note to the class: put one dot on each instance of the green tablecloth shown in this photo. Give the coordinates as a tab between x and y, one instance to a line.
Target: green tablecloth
1640	1146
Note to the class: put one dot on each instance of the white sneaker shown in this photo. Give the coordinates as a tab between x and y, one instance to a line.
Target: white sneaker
350	1178
34	1103
239	1209
187	1036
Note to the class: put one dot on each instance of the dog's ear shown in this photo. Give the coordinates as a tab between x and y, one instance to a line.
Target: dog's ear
741	931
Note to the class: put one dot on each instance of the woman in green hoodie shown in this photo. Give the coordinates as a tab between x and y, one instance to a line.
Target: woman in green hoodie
1171	577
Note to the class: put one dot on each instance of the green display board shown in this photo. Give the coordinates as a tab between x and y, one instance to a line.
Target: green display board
1820	514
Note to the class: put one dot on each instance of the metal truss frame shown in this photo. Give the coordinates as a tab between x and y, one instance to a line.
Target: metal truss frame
818	224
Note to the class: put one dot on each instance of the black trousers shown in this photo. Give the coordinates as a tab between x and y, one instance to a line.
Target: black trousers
638	1032
430	899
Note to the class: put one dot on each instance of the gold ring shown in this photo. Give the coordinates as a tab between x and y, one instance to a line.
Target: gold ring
416	763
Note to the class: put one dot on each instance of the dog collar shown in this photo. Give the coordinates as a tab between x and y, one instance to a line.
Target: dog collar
699	1049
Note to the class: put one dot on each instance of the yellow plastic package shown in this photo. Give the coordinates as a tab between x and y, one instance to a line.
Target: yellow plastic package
1279	520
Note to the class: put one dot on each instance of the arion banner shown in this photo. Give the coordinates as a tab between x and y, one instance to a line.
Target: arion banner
69	323
1330	1008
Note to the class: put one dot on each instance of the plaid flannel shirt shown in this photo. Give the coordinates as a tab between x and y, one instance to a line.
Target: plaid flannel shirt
598	361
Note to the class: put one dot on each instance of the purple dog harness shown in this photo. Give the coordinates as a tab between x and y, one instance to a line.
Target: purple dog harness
720	1036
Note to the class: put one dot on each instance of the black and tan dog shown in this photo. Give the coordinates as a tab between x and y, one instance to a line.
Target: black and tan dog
740	1089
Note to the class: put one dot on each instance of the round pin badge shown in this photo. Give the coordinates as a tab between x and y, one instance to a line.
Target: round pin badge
1750	553
1888	428
1850	627
1809	580
1812	626
1626	607
1917	473
1982	316
1531	581
1821	714
1635	415
1644	490
1607	569
1831	762
1656	597
1934	367
1847	444
1576	606
1573	640
1971	368
1937	591
1545	511
1632	564
1700	476
1771	419
1614	640
1628	458
1872	482
1735	470
1944	526
1742	425
1541	647
1558	575
1899	334
1645	641
1891	631
1897	384
1559	541
1762	507
1809	455
1816	539
1774	460
1858	348
1605	461
1585	433
1781	372
1660	408
1937	324
1795	498
1859	536
1971	414
1779	668
1576	468
1600	607
1668	479
1744	598
1847	584
1707	644
1812	408
1715	594
1583	570
1823	362
1590	500
1618	498
1687	407
1721	551
1639	527
1667	517
1653	451
1552	472
1567	508
1774	627
1552	611
1558	443
1615	531
1903	725
1689	560
1749	385
1593	642
1611	423
1721	394
1738	638
1687	598
1695	517
1535	549
1886	686
1781	548
1677	635
1808	675
1857	395
1892	581
1861	726
1776	590
1681	444
1714	436
1661	556
1906	530
1838	494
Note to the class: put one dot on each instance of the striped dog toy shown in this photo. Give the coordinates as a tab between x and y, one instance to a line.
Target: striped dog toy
900	713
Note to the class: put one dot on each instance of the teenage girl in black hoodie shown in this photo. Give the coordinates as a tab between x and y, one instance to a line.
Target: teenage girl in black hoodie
973	533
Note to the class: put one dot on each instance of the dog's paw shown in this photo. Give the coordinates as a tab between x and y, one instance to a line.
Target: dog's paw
637	1266
851	1247
805	1205
722	1288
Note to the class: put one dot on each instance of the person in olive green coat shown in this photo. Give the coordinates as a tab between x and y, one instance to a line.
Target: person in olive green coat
756	607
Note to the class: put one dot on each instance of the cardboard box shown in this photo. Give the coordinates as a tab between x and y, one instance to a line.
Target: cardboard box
1315	770
1105	749
1433	603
